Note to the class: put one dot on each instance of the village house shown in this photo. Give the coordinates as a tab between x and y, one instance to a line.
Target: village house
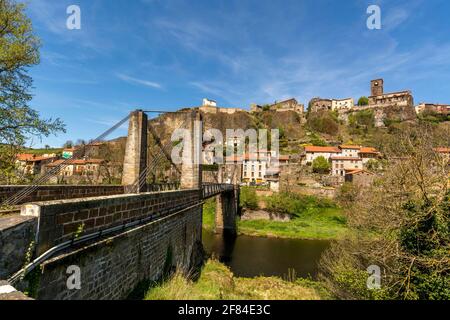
342	158
319	104
342	164
313	152
32	164
433	107
342	104
210	106
78	167
257	167
360	177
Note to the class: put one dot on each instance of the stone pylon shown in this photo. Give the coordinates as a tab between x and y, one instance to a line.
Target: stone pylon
191	169
135	160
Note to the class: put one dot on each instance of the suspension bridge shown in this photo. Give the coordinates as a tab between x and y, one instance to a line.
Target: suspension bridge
117	235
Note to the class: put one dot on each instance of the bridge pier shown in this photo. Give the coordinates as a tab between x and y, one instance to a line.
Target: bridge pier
227	206
226	212
135	160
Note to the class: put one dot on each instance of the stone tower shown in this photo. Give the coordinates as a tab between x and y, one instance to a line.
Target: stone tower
376	87
135	160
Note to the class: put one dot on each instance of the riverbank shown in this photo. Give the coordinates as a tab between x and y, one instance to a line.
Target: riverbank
217	282
313	223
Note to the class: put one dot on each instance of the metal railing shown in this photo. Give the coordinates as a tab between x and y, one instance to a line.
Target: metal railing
212	189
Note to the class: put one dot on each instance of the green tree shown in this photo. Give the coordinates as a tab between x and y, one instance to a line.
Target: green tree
320	165
363	101
19	50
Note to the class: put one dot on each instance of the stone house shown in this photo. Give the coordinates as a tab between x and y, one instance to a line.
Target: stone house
32	164
319	104
341	164
360	177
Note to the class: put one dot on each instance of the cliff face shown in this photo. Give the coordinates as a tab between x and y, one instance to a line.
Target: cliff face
288	121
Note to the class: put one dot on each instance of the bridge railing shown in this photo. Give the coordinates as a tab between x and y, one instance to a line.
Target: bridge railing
156	187
212	189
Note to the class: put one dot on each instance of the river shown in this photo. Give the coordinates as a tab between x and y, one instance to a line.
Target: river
249	256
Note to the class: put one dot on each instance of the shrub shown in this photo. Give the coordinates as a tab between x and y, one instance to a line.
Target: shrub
321	165
323	122
363	101
295	204
248	198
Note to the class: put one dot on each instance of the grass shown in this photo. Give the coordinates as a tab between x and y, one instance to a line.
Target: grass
217	282
317	224
313	223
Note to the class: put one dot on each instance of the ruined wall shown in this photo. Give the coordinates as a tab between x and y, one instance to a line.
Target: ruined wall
57	192
113	267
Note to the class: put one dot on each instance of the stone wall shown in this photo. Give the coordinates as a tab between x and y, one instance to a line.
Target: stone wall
113	267
57	192
16	234
60	221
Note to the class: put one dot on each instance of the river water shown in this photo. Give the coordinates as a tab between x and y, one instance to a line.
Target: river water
249	256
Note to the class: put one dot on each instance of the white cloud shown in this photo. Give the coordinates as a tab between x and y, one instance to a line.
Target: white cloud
143	82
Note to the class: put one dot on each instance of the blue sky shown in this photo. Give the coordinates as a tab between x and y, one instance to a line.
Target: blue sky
165	55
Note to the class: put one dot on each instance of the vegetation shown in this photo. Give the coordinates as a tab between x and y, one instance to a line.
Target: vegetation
313	224
323	122
433	117
217	282
248	198
407	212
363	101
18	52
361	122
321	165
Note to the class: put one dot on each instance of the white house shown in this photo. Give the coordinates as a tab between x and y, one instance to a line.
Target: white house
342	104
313	152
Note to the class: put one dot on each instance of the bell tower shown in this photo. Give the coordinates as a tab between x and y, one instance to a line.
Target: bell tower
376	87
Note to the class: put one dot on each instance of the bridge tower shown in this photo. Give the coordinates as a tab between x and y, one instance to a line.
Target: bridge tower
191	169
135	160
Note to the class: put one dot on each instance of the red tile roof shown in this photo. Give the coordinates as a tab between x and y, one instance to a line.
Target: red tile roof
349	146
322	149
368	150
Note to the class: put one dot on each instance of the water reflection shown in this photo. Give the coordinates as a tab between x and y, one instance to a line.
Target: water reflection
253	256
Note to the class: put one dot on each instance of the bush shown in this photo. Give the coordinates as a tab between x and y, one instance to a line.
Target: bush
321	165
248	198
323	122
295	204
363	101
